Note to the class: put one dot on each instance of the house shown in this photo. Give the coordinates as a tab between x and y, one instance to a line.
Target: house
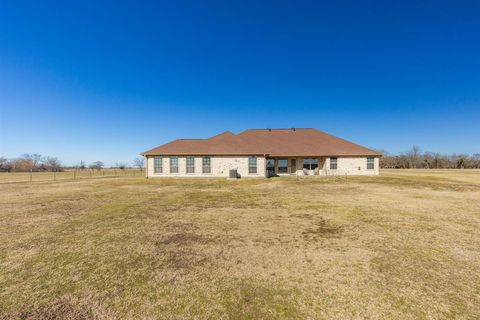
262	153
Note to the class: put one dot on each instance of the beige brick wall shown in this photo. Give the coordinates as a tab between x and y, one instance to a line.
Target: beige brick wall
352	166
220	167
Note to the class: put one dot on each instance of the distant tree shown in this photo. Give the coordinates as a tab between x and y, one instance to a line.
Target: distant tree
82	165
121	165
97	165
437	160
387	160
469	161
460	163
52	163
384	158
476	158
22	165
429	160
5	164
426	163
31	160
138	163
413	156
403	161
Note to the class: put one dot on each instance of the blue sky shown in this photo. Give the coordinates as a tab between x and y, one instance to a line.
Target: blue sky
106	80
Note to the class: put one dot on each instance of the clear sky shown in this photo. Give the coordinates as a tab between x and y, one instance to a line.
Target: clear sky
106	80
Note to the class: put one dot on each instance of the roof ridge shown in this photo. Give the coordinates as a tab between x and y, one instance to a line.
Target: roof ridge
191	139
276	129
222	133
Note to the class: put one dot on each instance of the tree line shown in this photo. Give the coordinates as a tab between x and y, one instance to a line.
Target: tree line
415	158
34	162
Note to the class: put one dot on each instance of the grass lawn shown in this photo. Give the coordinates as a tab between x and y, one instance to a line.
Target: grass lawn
404	245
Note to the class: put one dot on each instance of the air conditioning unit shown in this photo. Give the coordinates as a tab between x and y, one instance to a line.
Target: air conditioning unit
233	174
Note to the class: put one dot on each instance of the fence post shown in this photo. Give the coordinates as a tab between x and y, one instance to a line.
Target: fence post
74	174
31	177
54	175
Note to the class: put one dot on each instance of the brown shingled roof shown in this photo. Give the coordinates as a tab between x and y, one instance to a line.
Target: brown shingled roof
273	142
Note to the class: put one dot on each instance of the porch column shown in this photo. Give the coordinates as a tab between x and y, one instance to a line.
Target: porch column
145	159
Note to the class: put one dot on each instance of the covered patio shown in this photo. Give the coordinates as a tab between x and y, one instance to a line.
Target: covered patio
278	166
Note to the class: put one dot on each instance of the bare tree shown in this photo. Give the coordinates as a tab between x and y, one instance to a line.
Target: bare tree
121	165
97	165
437	160
81	165
476	157
415	159
34	160
413	156
138	163
426	163
52	163
5	164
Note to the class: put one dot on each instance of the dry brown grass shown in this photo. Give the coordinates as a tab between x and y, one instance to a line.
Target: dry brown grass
404	245
16	177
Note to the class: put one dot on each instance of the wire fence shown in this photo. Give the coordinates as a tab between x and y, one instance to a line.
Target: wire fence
14	177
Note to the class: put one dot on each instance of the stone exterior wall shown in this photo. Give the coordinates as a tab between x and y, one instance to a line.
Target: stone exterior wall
352	166
220	167
345	165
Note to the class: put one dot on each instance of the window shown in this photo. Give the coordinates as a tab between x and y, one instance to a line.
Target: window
370	163
206	168
157	164
282	166
190	165
252	164
173	164
310	164
333	163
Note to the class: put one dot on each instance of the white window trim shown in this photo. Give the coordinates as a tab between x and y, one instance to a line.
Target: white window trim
187	166
372	163
170	165
256	165
336	163
210	165
161	165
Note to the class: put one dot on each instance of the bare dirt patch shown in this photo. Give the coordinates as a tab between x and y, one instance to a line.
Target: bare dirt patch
322	228
183	248
62	309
